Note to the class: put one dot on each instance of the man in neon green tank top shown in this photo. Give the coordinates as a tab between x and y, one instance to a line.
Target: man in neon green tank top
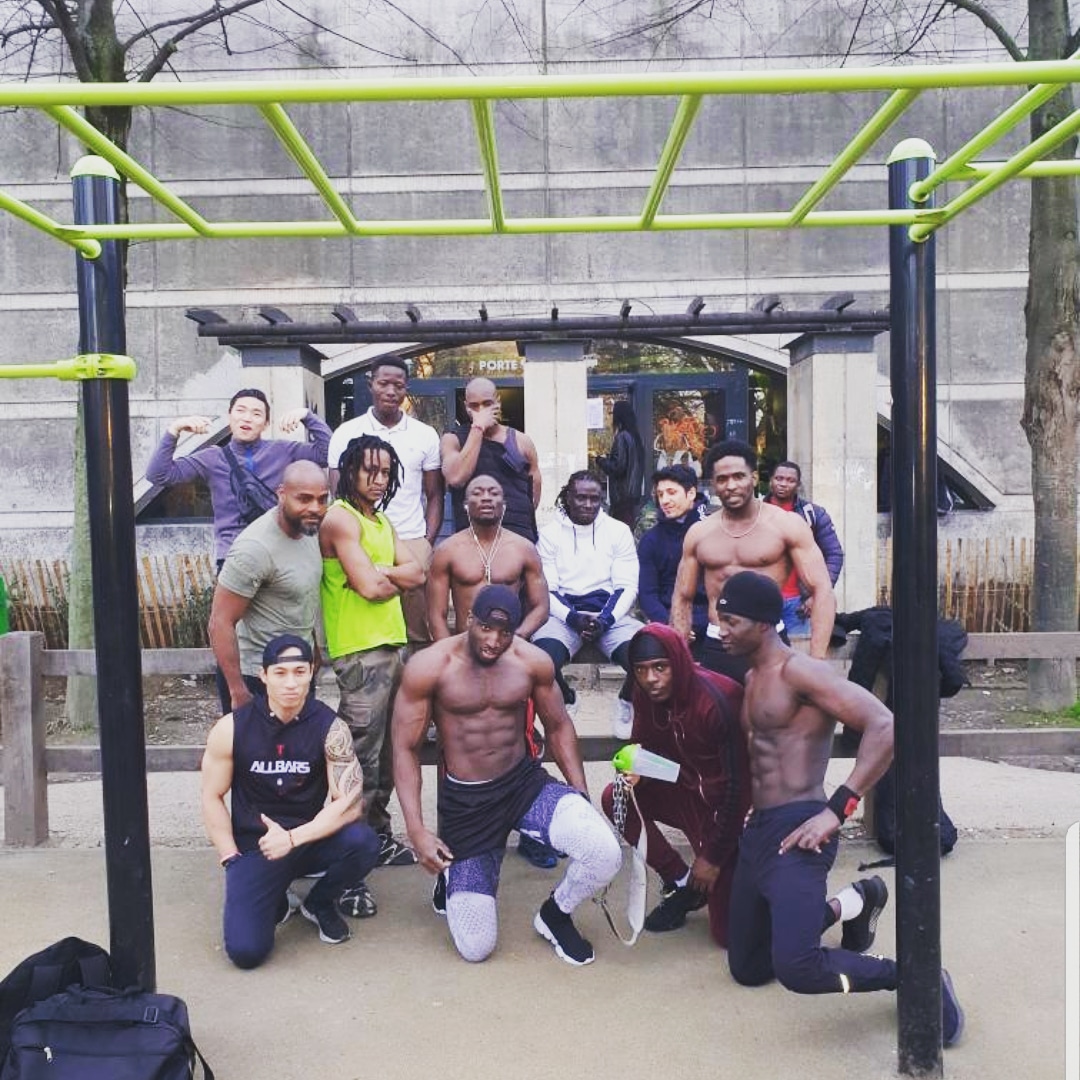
366	568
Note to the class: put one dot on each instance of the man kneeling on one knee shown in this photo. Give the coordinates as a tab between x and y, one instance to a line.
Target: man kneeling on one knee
475	687
281	756
691	716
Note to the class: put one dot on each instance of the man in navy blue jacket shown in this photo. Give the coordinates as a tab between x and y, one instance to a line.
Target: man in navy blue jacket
784	492
680	505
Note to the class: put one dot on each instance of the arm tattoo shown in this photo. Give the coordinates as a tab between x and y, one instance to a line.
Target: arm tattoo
345	773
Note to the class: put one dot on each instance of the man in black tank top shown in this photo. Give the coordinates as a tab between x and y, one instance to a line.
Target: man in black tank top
488	447
281	756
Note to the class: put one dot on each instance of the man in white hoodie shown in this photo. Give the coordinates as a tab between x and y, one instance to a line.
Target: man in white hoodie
591	566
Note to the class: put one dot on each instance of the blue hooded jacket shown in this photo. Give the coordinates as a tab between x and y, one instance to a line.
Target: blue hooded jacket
659	552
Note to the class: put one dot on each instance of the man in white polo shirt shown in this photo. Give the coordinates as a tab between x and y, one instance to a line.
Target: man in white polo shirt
417	510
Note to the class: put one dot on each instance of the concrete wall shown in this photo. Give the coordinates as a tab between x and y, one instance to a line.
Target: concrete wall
564	157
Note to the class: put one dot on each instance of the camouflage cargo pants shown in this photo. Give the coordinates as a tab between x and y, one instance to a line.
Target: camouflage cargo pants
368	681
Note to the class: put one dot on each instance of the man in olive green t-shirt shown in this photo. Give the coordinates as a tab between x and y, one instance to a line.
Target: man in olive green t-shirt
365	570
269	583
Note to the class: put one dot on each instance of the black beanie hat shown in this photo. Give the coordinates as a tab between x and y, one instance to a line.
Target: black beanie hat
753	596
645	646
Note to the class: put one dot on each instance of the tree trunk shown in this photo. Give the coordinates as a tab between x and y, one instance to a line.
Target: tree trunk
105	56
1052	380
80	705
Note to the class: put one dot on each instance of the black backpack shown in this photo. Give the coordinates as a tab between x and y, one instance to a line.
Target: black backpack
98	1033
71	960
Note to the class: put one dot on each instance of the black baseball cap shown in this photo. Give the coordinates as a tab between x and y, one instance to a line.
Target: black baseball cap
497	605
283	643
753	596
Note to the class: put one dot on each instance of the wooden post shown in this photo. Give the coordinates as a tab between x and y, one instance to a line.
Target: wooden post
22	705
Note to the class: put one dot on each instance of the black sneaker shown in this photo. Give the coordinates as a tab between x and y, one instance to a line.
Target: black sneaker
438	895
559	929
358	903
671	912
952	1016
541	855
394	853
288	905
859	932
332	927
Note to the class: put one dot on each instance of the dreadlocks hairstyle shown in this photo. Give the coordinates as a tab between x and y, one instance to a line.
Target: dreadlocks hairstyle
581	474
358	455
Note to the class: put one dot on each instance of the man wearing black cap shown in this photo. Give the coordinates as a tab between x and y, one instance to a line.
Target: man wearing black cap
281	756
475	686
778	908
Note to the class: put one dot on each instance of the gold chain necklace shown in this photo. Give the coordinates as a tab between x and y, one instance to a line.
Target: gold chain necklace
487	560
745	532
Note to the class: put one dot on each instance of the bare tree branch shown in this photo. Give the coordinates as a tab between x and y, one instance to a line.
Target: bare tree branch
993	25
191	23
322	28
169	47
427	33
58	12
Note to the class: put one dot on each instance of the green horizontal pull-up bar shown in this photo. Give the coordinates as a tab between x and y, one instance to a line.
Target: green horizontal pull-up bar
518	87
77	369
1044	79
523	226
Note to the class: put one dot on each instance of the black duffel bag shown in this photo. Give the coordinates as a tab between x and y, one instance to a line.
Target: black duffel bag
97	1033
63	963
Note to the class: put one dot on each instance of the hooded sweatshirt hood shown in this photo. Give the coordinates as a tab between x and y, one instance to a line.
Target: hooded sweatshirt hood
698	726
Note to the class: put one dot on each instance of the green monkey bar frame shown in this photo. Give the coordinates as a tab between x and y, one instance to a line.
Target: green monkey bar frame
910	215
902	84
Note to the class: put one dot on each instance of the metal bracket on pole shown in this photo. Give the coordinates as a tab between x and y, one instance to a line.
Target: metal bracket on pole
78	368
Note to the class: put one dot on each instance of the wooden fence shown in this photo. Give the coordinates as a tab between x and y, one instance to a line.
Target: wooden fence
984	583
174	599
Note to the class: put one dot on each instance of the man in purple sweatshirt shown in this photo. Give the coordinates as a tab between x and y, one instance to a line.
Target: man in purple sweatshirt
264	459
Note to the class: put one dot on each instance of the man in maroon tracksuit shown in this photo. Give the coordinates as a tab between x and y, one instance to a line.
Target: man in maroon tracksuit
690	715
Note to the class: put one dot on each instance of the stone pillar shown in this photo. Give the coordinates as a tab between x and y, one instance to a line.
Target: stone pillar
832	434
555	393
290	376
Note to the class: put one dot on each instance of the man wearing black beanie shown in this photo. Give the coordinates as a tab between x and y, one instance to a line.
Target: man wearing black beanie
778	908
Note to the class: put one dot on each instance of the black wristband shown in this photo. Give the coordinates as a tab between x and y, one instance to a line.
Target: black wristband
843	803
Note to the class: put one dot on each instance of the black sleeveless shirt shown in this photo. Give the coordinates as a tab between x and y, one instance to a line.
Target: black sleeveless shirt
278	769
506	463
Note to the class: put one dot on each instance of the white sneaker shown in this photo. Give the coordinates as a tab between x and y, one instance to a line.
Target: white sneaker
622	719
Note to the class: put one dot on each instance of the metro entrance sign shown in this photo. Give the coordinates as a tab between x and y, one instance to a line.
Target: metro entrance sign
914	177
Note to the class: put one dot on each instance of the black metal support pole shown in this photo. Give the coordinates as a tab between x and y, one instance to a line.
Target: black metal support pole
116	616
915	601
